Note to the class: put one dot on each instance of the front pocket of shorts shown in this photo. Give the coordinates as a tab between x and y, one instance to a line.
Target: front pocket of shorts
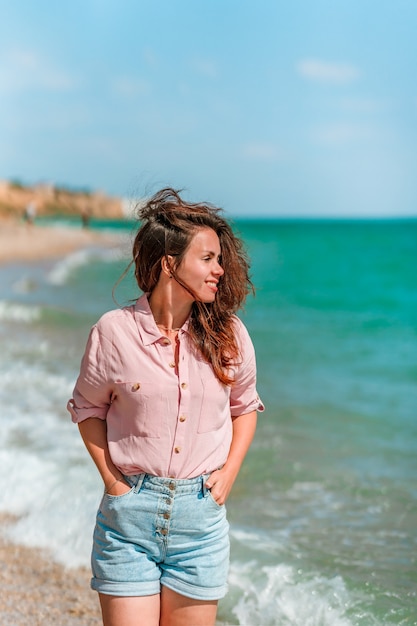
218	506
115	508
120	497
115	516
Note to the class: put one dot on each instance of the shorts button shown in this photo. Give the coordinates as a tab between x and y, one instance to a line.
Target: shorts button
164	531
171	486
166	515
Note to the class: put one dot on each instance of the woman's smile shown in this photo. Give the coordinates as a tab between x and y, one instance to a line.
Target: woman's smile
200	269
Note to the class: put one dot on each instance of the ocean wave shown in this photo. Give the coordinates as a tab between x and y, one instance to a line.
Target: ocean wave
44	493
60	273
12	312
65	267
50	477
283	595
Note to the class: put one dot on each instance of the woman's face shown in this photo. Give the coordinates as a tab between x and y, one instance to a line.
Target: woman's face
200	268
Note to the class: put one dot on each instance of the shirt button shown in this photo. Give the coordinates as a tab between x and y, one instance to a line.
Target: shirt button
172	365
166	342
136	386
177	450
184	385
182	418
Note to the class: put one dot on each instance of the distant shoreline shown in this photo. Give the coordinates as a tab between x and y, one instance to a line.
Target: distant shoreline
17	200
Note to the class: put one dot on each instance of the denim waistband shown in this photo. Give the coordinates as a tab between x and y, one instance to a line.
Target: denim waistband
168	485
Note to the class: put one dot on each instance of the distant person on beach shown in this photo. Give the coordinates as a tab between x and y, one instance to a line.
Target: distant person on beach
30	213
85	217
166	404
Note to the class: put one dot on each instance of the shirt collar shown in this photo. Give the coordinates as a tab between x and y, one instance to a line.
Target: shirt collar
148	330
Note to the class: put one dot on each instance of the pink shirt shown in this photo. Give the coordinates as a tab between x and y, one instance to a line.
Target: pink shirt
160	421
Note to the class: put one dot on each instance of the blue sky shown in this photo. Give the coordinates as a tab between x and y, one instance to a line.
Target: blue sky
267	108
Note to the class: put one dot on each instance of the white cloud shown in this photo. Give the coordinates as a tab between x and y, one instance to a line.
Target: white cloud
325	72
205	67
260	151
150	58
363	105
341	133
129	87
23	70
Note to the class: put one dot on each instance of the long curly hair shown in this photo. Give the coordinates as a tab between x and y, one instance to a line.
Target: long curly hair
168	224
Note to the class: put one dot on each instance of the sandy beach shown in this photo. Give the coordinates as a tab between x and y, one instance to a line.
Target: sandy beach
23	242
33	588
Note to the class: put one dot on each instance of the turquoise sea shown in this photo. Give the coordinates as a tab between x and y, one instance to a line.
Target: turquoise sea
324	513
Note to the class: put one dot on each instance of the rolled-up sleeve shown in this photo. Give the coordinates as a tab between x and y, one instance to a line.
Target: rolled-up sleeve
92	391
244	397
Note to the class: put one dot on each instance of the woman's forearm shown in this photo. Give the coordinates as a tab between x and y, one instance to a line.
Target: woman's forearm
244	428
221	481
94	434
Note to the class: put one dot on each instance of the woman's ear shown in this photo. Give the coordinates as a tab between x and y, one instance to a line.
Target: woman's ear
166	265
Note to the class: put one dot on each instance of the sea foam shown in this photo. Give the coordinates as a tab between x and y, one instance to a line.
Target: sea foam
64	268
13	312
280	594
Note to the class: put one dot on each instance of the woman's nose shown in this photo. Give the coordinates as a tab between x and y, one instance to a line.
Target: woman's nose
219	271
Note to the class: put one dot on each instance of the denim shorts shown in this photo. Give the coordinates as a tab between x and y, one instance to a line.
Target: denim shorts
163	531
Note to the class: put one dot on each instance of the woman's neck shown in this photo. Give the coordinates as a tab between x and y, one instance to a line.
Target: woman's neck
168	315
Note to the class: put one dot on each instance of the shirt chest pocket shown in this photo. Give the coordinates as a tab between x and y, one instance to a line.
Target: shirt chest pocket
215	405
140	408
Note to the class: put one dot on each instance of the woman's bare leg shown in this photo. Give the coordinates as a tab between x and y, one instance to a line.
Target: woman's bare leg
130	611
177	610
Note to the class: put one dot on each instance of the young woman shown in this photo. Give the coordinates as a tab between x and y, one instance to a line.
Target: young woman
166	405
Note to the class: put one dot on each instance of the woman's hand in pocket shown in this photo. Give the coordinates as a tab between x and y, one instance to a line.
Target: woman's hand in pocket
118	488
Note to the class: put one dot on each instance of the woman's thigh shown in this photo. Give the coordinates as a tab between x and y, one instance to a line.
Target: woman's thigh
130	611
178	610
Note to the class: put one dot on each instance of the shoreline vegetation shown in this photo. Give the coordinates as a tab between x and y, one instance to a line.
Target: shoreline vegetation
48	200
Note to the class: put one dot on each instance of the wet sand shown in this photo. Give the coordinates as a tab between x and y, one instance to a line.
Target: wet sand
24	242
